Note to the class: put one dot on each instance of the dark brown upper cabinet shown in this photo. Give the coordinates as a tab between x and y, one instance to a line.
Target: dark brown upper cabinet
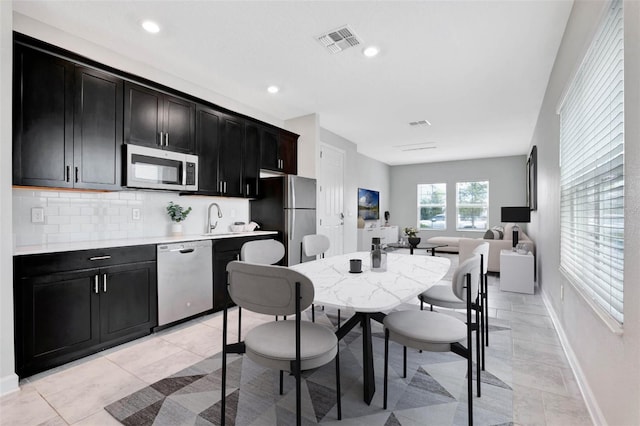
251	158
67	123
158	120
228	152
279	151
208	147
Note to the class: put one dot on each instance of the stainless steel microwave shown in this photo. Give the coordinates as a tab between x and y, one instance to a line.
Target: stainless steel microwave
153	168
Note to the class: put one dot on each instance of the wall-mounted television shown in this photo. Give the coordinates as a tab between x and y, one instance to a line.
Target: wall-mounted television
368	204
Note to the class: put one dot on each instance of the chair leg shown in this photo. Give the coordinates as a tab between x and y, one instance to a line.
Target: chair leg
478	332
239	323
481	330
421	304
281	382
338	392
386	367
469	352
469	383
338	318
223	398
404	362
313	313
486	309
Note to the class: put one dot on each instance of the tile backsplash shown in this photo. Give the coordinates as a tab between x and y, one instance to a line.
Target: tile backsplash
71	216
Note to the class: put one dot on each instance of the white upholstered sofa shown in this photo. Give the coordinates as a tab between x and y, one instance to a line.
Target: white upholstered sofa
495	245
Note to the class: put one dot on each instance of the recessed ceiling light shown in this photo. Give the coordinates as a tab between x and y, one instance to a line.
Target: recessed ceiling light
371	51
151	27
273	89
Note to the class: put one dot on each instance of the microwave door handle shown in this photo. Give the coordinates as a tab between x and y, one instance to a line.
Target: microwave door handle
184	172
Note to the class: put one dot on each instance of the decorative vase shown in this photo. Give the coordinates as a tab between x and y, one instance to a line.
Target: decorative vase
414	241
176	229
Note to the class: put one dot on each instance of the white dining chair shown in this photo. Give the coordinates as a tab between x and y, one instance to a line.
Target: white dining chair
264	252
293	346
315	245
438	332
442	294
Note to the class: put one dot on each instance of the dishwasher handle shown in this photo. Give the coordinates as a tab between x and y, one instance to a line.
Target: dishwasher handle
183	250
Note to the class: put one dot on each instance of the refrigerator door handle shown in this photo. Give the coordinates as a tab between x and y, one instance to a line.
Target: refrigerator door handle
292	224
293	194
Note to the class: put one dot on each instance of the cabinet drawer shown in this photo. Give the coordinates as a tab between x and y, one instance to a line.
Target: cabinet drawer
38	264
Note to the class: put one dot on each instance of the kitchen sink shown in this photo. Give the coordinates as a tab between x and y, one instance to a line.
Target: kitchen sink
220	234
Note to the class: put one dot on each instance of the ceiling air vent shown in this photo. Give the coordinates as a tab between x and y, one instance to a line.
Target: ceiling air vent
339	39
420	123
416	146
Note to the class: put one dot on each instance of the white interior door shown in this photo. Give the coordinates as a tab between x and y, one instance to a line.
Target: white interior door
331	197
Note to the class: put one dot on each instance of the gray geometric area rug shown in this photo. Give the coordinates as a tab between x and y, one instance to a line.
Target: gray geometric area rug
433	393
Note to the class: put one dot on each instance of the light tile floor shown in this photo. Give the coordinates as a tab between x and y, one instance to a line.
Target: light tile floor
545	391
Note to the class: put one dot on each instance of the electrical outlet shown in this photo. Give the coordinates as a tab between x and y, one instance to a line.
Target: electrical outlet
37	215
135	214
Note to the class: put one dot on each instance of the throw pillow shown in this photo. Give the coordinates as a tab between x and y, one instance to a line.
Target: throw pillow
492	234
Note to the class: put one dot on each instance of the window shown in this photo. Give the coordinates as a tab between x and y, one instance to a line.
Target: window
432	206
472	205
592	170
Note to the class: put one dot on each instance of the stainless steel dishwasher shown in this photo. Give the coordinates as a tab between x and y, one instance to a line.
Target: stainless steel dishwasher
185	280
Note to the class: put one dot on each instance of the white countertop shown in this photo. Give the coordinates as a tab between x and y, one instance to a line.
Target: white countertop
97	244
406	277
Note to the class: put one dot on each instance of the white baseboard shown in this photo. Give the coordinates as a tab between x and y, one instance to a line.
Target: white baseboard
590	401
8	384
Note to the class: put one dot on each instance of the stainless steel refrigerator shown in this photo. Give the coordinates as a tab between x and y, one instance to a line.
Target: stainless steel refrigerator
287	204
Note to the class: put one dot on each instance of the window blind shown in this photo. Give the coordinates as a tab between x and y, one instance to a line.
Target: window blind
592	170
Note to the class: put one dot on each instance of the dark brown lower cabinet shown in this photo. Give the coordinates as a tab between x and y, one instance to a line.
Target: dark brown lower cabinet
225	251
62	315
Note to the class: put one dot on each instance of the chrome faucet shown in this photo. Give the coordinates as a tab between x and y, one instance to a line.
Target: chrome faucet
211	227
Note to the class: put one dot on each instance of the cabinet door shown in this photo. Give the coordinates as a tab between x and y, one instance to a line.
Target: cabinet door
128	300
179	125
57	315
251	169
269	150
143	109
288	152
231	156
220	261
208	146
98	130
43	119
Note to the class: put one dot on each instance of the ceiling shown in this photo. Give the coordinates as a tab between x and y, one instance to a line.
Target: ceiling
476	70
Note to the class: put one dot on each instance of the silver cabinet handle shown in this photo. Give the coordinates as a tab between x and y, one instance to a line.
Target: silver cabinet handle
104	283
67	174
225	187
77	171
99	258
161	135
166	139
247	189
95	284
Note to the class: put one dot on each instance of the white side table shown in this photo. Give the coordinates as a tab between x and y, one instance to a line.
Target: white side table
516	272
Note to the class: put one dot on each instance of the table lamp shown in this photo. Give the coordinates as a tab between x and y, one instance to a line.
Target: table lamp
515	215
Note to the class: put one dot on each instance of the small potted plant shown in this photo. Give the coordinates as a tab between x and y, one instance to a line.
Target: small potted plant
412	236
177	214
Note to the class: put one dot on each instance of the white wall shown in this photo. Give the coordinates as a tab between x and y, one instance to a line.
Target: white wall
8	378
507	187
360	172
607	365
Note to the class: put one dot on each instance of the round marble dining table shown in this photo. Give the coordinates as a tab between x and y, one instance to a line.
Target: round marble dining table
406	277
370	293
